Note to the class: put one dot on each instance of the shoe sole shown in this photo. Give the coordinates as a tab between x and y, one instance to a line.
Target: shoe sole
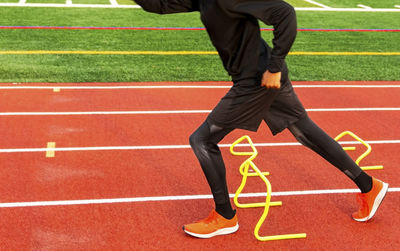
223	231
377	203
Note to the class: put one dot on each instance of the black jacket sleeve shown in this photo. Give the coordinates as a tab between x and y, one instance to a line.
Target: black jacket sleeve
168	6
281	16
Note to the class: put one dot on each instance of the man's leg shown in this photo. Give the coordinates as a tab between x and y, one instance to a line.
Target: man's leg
310	135
223	219
373	190
204	144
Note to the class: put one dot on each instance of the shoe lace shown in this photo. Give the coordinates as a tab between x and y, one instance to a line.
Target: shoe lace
211	218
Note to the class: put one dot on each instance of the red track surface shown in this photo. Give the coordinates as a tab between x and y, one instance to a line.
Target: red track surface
80	175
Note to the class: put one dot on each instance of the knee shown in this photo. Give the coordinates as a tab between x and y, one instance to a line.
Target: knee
200	136
197	141
198	145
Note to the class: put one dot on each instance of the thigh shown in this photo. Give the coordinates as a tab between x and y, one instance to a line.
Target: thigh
243	106
209	133
285	110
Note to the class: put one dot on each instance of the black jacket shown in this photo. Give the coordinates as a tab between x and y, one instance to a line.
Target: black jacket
233	28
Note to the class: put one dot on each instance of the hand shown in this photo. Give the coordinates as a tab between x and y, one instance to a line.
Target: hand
271	80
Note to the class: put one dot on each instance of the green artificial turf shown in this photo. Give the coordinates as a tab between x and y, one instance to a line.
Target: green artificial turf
110	68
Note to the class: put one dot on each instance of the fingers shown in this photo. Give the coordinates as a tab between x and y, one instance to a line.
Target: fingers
274	85
271	80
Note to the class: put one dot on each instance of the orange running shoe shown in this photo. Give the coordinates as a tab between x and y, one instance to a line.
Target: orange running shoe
211	226
369	202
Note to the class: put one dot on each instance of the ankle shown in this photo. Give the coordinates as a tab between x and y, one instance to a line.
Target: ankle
364	182
225	210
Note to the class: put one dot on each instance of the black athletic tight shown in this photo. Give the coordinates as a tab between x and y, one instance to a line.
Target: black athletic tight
204	144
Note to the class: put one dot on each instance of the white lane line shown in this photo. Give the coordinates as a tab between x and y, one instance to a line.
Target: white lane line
169	147
179	87
174	198
182	112
102	113
120	87
353	109
318	4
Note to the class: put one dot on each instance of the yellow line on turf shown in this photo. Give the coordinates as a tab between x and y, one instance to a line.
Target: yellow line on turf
113	52
311	53
345	53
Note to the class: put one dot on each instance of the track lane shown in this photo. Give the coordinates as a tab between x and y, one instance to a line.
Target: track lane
133	130
157	226
126	174
72	131
115	174
26	100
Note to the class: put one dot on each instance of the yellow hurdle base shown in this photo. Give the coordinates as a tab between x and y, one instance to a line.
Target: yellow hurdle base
244	171
281	237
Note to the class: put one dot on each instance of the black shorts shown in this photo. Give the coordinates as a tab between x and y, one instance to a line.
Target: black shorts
248	103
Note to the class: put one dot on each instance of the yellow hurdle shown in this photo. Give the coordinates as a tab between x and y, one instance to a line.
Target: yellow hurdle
244	170
362	156
246	174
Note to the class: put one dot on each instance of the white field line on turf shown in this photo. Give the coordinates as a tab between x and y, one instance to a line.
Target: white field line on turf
175	198
345	9
138	7
179	87
316	3
363	6
114	2
182	112
170	147
55	5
